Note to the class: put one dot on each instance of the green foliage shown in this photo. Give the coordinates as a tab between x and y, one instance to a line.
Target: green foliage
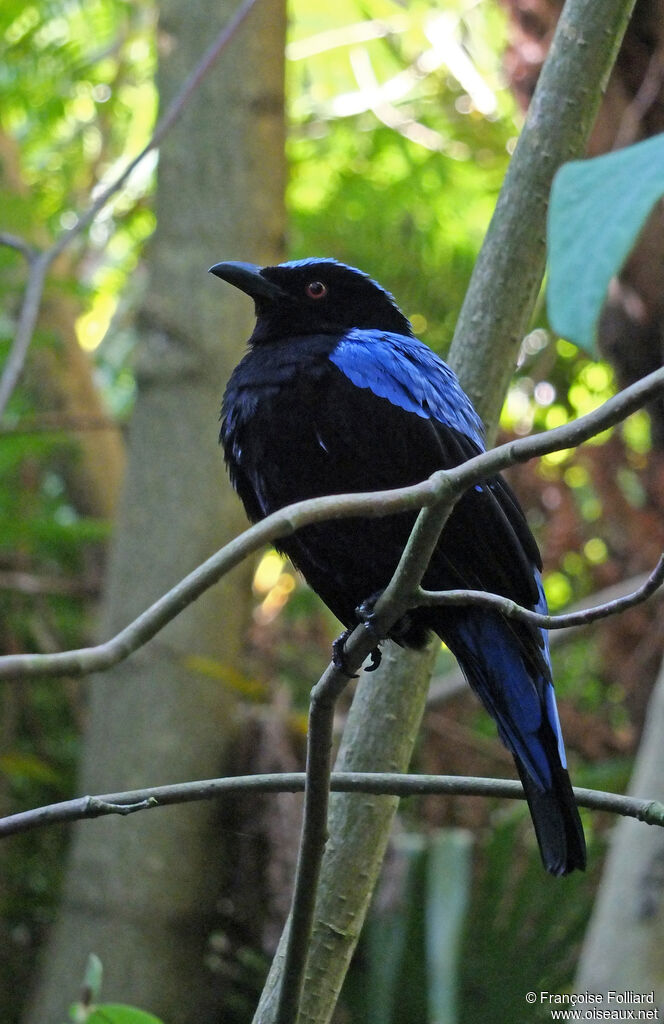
597	210
404	187
117	1013
401	181
77	91
409	956
78	103
523	929
77	100
90	1011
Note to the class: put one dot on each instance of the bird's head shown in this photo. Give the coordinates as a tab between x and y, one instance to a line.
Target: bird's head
313	296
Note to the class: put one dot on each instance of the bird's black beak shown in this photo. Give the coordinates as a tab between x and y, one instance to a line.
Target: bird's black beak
248	278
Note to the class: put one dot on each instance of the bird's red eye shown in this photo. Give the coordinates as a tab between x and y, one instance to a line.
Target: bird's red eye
316	290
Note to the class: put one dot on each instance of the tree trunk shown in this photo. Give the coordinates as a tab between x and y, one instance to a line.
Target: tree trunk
140	892
623	945
482	353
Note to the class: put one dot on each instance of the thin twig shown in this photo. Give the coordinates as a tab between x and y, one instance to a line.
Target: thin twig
512	610
164	125
442	487
435	497
451	683
387	784
40	262
25	328
18	243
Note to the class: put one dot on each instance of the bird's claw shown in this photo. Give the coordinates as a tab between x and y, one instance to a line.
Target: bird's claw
367	617
339	653
376	658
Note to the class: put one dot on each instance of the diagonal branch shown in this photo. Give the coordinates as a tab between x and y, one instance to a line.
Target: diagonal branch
434	496
25	328
40	262
315	812
493	320
19	244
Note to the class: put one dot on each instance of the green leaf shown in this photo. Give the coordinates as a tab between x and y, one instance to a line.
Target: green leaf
118	1013
20	765
597	210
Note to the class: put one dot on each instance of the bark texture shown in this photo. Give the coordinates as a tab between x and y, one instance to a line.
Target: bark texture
622	951
140	892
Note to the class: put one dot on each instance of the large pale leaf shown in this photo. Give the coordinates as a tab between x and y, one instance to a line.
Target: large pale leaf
449	870
597	210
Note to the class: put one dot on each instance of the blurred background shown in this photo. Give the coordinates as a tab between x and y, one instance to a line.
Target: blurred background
386	149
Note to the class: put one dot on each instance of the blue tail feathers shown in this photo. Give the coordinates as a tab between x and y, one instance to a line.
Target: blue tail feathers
512	679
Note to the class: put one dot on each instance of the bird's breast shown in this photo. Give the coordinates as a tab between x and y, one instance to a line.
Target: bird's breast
282	423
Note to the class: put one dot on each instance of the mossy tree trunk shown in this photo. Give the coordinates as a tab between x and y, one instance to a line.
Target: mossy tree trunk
140	892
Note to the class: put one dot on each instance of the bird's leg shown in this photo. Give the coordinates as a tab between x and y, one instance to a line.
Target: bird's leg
339	653
366	617
399	632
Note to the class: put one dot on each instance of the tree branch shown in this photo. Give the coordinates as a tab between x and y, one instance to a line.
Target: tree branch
40	262
438	492
450	684
15	242
315	813
25	327
508	273
399	595
496	310
512	610
382	783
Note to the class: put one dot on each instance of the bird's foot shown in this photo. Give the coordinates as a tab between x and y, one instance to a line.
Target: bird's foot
367	616
376	657
400	632
339	654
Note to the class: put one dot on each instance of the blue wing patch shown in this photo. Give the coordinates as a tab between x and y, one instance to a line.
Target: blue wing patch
410	375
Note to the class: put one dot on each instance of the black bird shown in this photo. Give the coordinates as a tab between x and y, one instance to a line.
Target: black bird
336	395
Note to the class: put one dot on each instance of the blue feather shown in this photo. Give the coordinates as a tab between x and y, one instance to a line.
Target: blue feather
492	660
516	695
410	375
